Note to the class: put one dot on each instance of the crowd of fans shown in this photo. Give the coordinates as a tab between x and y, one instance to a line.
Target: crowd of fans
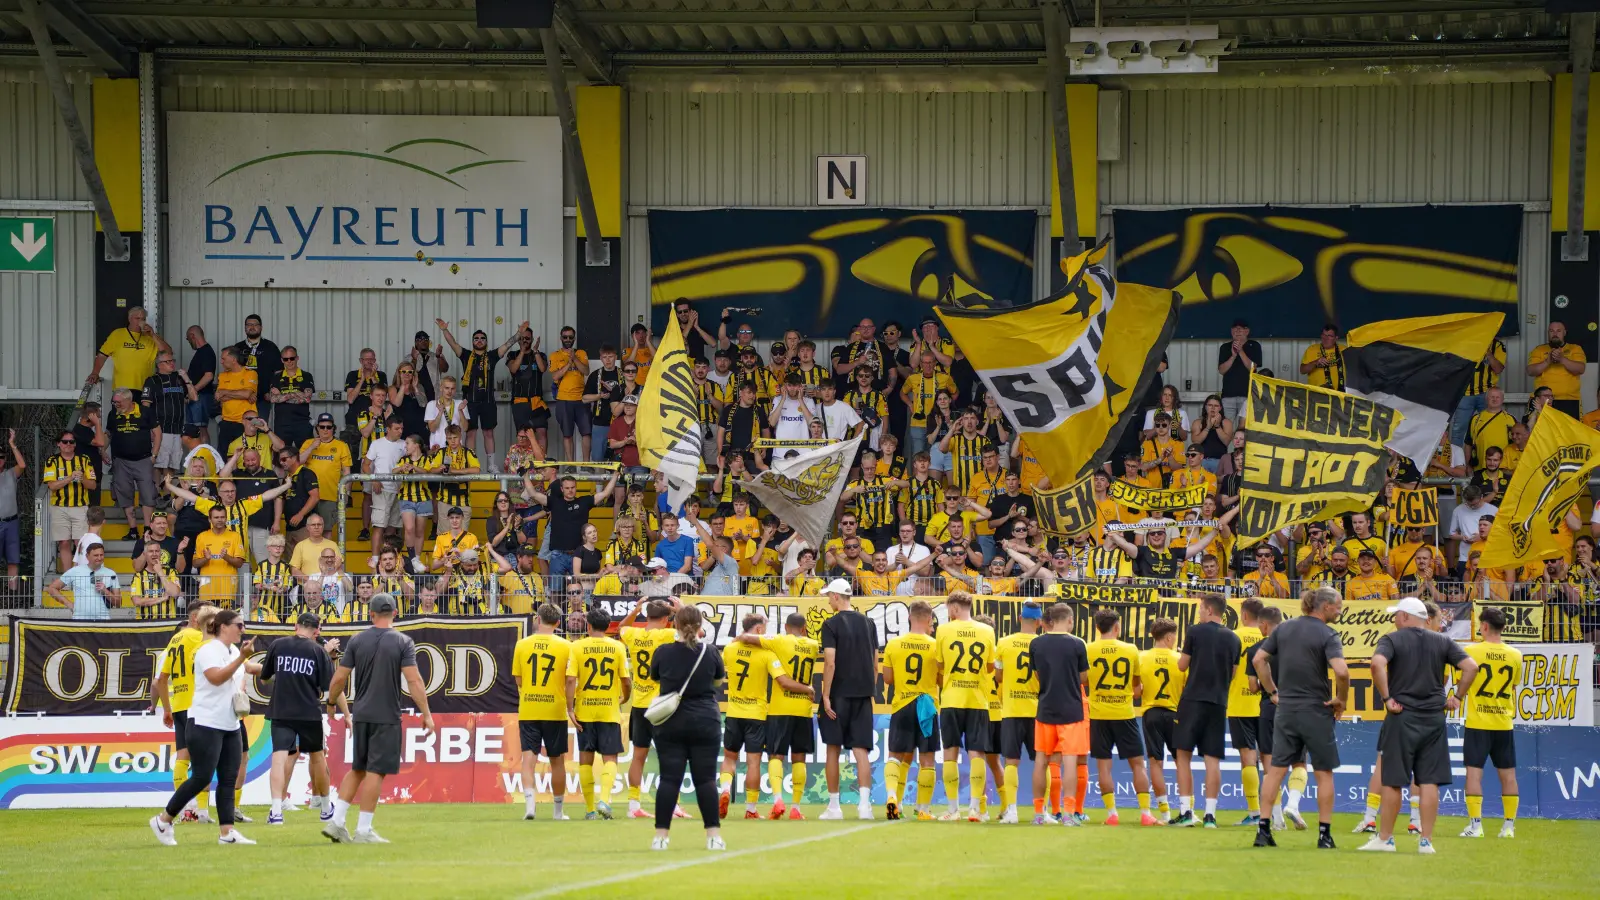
226	476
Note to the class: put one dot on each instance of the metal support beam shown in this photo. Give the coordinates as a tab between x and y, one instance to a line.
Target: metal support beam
81	30
583	48
1055	90
596	251
151	246
116	246
1575	244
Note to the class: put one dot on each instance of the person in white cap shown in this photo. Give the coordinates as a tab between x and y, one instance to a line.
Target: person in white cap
659	584
1408	672
849	653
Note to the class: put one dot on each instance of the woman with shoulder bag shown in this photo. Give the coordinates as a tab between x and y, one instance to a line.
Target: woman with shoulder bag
690	736
215	744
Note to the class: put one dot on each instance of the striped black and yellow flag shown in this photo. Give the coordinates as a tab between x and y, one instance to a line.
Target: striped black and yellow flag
1420	367
1552	475
1069	370
1310	454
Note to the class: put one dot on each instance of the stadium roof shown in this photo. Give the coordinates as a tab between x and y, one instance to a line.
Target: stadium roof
604	37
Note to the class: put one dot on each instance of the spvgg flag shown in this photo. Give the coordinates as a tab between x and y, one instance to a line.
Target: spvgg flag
1552	474
804	489
1067	511
1311	454
1420	367
1156	499
1069	370
667	429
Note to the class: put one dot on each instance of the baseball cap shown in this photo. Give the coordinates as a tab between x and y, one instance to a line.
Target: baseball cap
1366	552
1241	322
838	586
381	603
637	327
1032	611
779	347
325	419
191	431
467	555
631	400
527	550
1411	606
308	620
930	320
636	562
656	562
456	511
420	336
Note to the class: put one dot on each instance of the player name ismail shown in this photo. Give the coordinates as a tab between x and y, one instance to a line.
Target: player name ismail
349	226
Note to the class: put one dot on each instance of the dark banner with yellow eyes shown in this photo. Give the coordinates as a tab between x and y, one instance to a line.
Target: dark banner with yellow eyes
1289	269
821	271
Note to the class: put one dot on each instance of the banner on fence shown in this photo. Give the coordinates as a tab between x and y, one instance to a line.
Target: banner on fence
100	668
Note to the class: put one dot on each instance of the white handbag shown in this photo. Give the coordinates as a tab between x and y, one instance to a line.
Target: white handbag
664	705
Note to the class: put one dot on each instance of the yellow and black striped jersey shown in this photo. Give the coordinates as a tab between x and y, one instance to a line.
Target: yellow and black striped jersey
238	512
706	411
766	383
460	458
1484	377
923	499
151	584
271	585
871	400
419	491
620	550
966	458
1106	563
812	377
76	493
874	502
468	595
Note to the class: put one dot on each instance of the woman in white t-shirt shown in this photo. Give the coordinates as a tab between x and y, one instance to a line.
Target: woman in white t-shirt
216	741
446	411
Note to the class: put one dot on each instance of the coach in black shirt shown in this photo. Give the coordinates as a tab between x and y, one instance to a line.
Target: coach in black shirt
568	514
1408	672
849	652
300	672
1210	653
1235	361
1059	660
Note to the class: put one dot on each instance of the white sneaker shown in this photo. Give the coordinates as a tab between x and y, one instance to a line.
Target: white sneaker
336	832
832	814
367	837
1367	823
864	811
1009	817
1294	817
1474	829
239	816
1379	845
234	837
715	843
1509	829
1278	824
658	843
953	815
1426	846
165	833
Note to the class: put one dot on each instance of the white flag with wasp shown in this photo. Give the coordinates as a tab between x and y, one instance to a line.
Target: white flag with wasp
804	489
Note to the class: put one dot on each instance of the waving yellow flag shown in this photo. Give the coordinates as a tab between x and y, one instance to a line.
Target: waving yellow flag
668	429
1551	475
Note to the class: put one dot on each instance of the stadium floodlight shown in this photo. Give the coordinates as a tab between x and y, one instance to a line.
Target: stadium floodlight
1211	48
1167	51
1122	51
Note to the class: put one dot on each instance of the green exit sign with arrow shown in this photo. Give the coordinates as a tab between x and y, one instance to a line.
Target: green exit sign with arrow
28	244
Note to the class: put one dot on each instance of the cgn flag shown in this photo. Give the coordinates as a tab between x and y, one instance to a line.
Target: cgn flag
668	430
1551	475
1069	371
1420	367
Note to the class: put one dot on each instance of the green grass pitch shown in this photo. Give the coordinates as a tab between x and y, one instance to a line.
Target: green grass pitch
488	851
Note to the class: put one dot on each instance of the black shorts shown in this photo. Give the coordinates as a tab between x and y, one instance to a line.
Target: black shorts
1200	728
1244	732
377	748
572	415
749	735
640	731
1120	733
180	730
791	734
522	416
905	732
1302	734
1414	750
296	735
604	738
1016	735
996	726
549	733
482	414
852	729
1481	745
964	728
1158	725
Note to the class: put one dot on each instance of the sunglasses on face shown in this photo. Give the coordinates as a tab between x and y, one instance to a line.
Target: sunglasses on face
324	427
852	546
285	359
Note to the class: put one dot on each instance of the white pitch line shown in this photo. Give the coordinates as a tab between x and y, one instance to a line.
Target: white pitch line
708	859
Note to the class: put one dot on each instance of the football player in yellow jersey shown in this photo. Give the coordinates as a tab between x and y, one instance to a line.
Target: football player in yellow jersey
1019	702
1490	711
996	774
539	666
173	691
965	653
598	683
1244	709
1162	682
1114	680
792	711
751	669
641	644
909	675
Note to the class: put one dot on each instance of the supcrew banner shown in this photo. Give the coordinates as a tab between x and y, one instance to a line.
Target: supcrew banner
1070	370
1552	474
804	489
101	668
1156	499
1310	454
667	429
1289	269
